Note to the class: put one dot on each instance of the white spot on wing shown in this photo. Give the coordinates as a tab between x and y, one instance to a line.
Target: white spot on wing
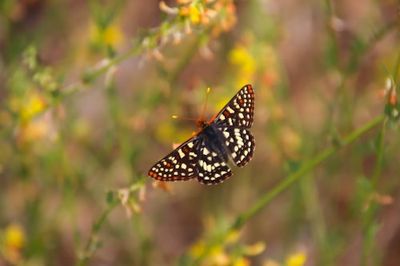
181	153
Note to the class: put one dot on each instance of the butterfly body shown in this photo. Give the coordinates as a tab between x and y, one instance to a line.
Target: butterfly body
214	140
205	155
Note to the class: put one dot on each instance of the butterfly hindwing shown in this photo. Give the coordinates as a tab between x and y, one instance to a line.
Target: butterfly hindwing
240	143
239	111
211	168
180	164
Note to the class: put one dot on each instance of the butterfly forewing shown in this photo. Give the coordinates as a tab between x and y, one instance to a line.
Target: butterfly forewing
211	168
239	111
180	164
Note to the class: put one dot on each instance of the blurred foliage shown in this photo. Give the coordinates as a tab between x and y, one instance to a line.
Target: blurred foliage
87	91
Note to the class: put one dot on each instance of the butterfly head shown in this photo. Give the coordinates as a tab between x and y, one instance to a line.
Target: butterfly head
201	124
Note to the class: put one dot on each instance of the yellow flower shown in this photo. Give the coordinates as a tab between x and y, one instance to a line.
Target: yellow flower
14	237
255	249
232	237
241	262
197	249
296	259
218	259
200	247
241	56
110	35
13	240
194	14
32	106
245	62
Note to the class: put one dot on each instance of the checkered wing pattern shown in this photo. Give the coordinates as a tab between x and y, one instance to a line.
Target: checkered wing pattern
212	169
239	111
205	156
180	164
240	144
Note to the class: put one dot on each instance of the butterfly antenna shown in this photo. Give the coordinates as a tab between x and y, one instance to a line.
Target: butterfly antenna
182	118
205	104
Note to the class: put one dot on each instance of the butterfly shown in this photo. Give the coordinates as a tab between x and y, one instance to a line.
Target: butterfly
205	155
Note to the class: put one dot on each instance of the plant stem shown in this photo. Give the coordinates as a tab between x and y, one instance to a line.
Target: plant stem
307	167
91	244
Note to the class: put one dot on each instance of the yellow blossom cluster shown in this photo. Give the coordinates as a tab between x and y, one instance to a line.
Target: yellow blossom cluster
34	119
29	106
12	243
219	15
218	254
297	258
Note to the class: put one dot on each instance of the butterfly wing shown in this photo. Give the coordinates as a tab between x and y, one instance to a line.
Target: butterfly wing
211	168
240	143
239	111
180	164
233	121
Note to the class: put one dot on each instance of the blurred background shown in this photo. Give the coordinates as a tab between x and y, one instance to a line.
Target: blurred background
87	91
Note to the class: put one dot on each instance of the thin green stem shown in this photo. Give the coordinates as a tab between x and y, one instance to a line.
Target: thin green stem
314	214
369	216
306	168
91	244
379	155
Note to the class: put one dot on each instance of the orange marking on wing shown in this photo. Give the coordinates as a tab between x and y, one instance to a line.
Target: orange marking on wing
152	174
241	102
226	113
